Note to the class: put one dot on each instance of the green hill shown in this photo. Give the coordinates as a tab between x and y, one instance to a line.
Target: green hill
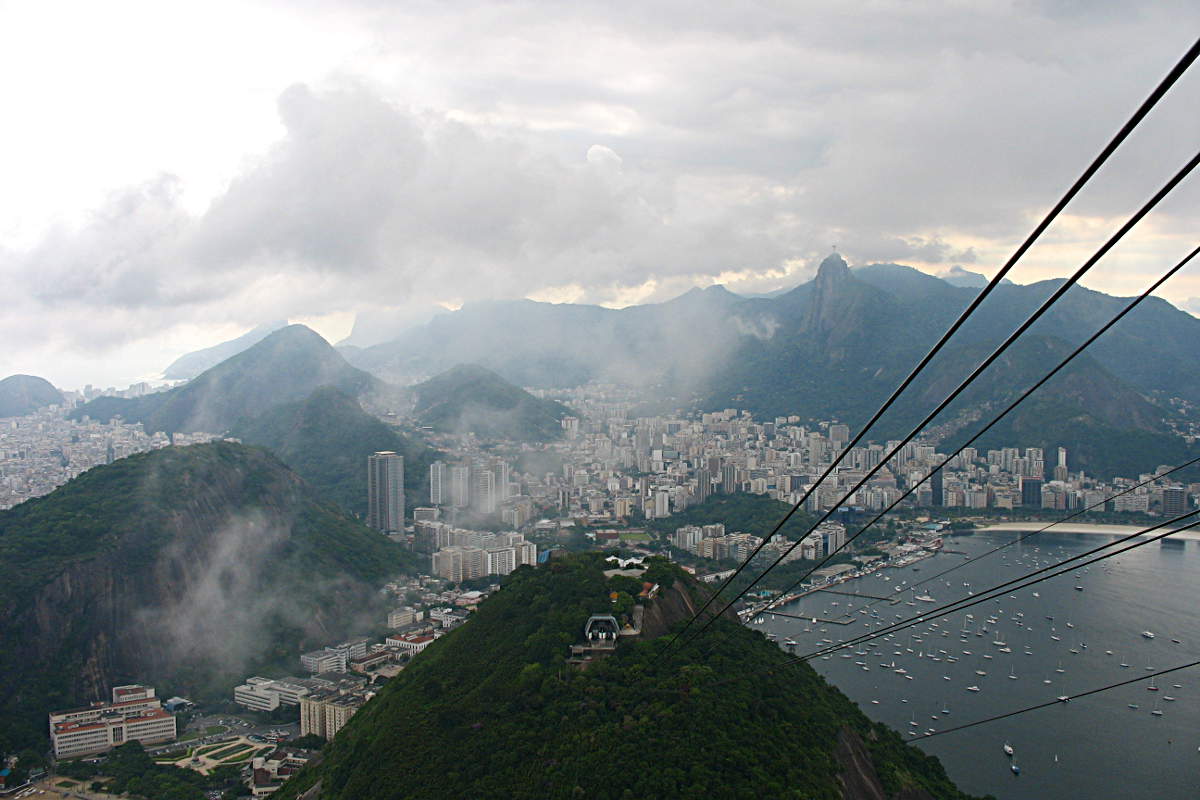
327	437
24	394
740	512
492	710
188	567
469	398
189	365
284	367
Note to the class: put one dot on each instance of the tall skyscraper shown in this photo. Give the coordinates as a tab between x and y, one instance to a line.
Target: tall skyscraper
729	478
438	488
500	479
703	484
460	486
1031	492
937	489
483	490
385	491
1174	501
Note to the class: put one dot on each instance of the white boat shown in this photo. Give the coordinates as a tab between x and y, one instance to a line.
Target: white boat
972	688
1008	749
1148	634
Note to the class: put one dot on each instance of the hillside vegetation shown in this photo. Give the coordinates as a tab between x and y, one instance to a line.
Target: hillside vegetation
740	512
492	710
326	439
471	399
284	367
187	567
25	394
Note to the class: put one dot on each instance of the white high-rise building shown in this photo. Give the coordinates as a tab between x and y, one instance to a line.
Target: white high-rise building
500	479
483	490
460	486
385	491
438	488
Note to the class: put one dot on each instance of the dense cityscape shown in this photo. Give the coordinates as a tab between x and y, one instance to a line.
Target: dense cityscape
615	473
533	400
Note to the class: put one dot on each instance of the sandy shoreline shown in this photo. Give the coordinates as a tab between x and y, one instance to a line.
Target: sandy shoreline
1080	527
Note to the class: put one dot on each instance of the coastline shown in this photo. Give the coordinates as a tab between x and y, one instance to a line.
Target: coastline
1083	528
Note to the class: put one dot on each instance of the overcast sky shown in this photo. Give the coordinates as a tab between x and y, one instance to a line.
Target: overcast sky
174	174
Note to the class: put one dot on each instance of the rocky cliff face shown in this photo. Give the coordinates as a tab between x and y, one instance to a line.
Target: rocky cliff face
842	310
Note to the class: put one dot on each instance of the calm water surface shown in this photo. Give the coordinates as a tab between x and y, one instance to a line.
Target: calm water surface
1094	747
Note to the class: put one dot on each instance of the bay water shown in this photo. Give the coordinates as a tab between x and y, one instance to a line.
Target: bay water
1060	640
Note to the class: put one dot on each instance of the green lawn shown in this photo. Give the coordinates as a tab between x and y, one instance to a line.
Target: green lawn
634	536
249	754
229	751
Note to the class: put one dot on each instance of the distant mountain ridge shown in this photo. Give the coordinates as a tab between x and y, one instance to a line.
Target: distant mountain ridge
25	394
190	365
284	367
186	567
834	348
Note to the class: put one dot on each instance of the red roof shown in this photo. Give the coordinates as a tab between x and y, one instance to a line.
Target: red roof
71	727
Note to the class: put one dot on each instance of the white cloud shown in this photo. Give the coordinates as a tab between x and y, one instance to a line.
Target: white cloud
433	153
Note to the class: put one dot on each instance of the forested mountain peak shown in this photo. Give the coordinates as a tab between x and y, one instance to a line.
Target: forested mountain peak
497	708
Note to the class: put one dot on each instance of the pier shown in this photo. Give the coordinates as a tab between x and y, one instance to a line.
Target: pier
821	620
894	598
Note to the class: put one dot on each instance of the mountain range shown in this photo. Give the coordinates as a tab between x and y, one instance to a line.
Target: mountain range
188	567
493	710
25	394
835	347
